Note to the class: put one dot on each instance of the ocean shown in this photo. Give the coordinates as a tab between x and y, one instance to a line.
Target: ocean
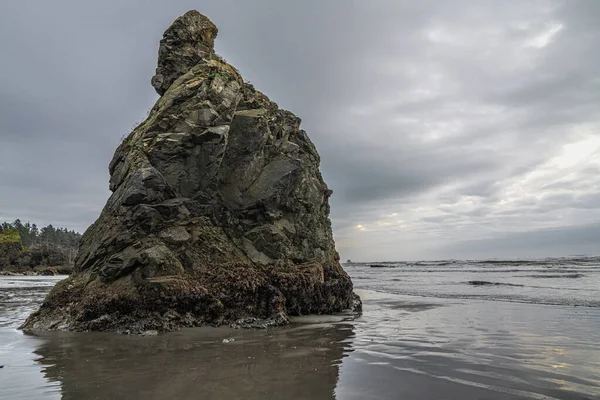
480	329
572	281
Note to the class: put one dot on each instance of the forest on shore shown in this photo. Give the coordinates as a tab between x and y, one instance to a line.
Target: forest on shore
24	247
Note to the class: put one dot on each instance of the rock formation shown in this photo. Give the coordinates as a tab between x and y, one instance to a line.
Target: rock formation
219	213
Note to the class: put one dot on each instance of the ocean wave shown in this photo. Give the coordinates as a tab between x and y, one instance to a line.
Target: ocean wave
486	283
509	298
570	276
485	271
557	262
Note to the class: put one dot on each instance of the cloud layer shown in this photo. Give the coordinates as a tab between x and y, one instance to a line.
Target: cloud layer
447	129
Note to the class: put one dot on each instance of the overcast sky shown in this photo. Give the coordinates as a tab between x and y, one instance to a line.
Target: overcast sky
447	129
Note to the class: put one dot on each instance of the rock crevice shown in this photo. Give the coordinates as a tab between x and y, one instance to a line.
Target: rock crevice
218	213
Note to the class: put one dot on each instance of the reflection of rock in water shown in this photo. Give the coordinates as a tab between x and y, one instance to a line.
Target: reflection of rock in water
298	363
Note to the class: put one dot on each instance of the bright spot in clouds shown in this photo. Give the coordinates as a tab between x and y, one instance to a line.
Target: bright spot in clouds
544	38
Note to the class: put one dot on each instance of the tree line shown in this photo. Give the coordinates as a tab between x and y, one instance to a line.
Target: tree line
31	235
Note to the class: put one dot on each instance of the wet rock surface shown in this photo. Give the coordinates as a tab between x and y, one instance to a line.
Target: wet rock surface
219	214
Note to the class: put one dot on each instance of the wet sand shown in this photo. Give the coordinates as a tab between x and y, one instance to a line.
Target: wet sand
401	347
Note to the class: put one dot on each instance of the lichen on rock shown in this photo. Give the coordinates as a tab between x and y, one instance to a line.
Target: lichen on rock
218	213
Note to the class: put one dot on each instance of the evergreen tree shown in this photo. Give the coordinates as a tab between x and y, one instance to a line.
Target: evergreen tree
31	235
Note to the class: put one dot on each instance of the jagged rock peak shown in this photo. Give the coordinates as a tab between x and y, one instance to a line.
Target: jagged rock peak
219	214
188	41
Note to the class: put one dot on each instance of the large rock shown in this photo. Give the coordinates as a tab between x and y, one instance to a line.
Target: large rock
219	213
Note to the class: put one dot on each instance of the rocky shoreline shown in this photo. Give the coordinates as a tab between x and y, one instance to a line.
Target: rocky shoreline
42	271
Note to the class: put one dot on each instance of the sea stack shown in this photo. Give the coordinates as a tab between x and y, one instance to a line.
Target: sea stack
218	213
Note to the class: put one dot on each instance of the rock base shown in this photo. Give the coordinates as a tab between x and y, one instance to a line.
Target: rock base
240	295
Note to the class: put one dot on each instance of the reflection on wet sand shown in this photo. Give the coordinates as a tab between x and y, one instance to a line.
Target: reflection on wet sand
471	350
298	363
402	347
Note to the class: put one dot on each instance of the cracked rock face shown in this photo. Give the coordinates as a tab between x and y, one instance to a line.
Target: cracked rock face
218	213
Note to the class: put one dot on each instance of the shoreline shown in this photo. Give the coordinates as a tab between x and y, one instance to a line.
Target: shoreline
400	346
32	273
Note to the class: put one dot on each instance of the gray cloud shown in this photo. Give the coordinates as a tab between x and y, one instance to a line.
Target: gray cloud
438	123
556	242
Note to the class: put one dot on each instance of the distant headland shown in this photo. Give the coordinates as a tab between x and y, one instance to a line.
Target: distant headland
29	250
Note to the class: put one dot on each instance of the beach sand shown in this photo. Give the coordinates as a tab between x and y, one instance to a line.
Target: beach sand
401	347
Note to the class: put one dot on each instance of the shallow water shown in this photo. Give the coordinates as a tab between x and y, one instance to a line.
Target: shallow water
560	281
445	339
